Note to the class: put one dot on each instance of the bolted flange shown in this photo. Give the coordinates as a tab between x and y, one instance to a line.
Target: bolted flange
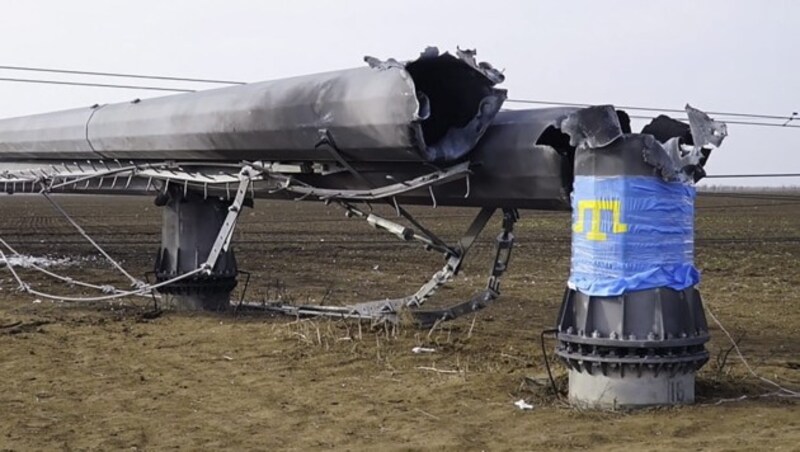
641	348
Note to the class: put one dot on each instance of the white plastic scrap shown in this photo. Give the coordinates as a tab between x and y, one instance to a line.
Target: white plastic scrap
25	261
523	405
423	350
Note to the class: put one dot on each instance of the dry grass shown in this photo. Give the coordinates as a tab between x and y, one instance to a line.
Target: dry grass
110	377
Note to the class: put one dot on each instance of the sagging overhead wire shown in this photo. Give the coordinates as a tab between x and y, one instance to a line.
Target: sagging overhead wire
749	176
95	85
786	119
657	109
766	196
118	74
785	125
64	279
115	294
140	288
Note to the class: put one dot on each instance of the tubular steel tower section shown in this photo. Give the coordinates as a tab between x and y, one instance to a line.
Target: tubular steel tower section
189	230
631	328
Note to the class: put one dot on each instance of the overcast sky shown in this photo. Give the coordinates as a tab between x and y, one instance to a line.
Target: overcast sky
739	56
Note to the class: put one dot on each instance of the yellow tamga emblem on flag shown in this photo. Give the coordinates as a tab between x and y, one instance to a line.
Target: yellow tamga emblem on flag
597	206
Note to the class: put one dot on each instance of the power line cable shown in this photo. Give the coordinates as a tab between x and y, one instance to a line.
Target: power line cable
743	123
745	206
766	196
95	85
236	82
119	74
786	118
667	110
748	176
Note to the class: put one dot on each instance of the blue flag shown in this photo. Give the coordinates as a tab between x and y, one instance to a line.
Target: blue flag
631	233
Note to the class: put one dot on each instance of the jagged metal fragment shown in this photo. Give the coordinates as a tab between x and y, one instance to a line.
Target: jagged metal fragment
675	150
522	161
456	138
468	56
593	127
682	159
705	131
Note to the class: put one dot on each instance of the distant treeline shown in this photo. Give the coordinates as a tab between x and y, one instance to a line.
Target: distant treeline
784	189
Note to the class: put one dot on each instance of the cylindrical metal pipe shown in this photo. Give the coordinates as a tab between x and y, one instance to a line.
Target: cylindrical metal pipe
631	326
432	109
522	162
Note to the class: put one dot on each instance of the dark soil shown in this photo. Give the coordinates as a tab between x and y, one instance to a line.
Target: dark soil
120	376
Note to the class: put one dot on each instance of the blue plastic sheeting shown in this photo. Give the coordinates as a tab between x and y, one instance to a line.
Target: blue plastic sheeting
631	233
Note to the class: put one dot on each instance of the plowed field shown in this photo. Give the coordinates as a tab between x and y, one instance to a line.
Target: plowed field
111	376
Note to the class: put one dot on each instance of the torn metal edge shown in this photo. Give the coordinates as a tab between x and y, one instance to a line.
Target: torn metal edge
466	56
676	156
457	141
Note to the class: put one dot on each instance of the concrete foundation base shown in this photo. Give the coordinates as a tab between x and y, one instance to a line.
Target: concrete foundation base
632	391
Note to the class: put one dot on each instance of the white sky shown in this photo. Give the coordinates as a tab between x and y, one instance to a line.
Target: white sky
717	55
